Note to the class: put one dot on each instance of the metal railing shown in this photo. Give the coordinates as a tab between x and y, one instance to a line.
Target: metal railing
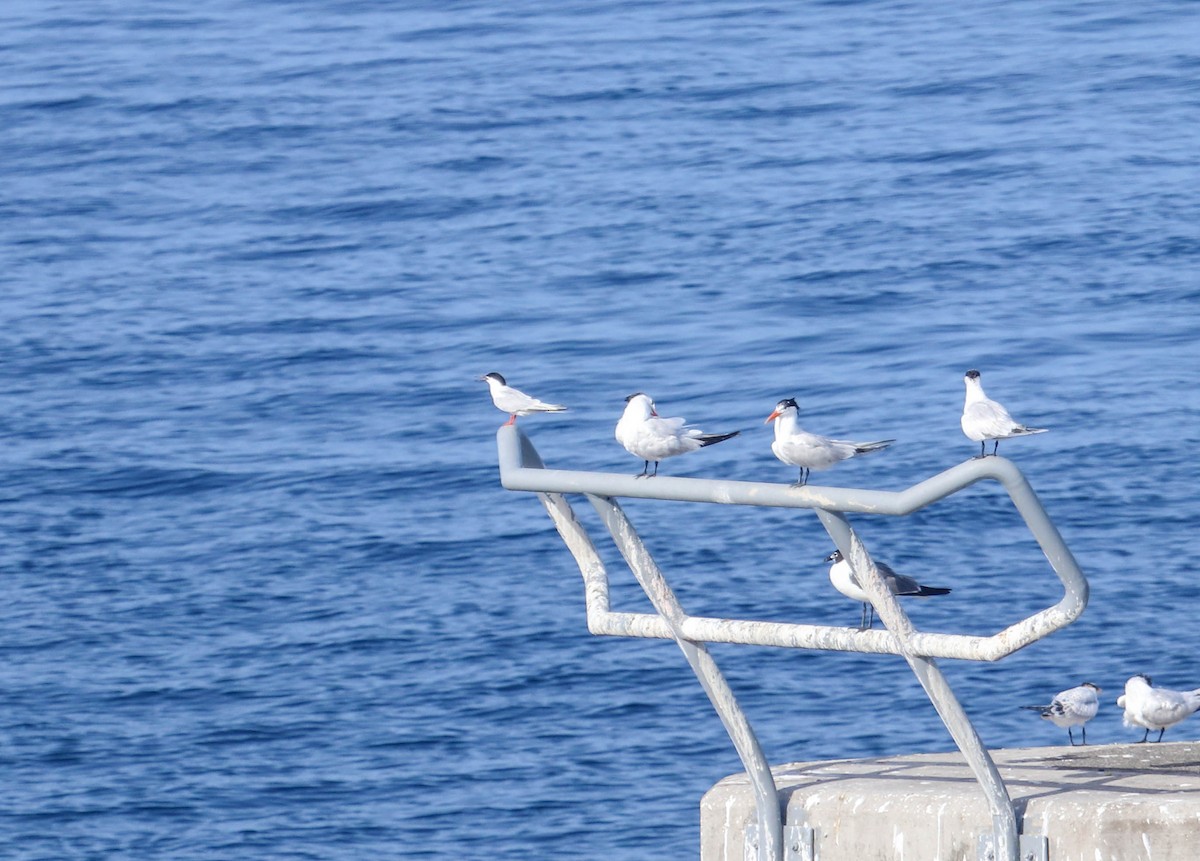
522	469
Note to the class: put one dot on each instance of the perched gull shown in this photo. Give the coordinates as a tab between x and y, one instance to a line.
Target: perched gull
514	401
647	435
984	419
843	579
797	447
1072	707
1155	708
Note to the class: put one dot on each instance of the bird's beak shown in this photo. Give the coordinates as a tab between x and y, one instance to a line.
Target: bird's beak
653	411
772	417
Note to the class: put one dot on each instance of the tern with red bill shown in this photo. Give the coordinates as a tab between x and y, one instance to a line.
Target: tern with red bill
797	447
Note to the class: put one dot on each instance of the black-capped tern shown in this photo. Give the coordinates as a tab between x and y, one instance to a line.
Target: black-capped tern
983	419
514	401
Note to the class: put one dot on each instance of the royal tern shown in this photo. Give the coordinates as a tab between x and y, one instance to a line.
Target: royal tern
514	401
647	435
841	575
1155	708
1070	708
797	447
984	419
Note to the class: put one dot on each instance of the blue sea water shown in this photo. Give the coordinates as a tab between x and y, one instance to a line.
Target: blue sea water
263	594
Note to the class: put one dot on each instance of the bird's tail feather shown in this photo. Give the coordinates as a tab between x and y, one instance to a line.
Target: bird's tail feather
932	590
1025	431
865	447
713	438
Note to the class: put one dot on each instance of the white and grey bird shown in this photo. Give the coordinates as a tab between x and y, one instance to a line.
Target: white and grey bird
1073	707
1155	708
514	401
797	447
983	419
842	576
647	435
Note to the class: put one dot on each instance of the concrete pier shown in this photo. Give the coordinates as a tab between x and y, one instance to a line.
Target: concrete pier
1128	802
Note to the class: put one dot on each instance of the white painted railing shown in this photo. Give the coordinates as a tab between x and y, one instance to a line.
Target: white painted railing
522	469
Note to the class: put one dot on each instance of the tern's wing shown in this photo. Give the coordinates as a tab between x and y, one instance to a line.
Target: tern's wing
989	418
543	407
1080	696
1167	706
665	424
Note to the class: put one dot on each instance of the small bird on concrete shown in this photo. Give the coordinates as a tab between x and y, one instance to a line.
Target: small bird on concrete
841	575
646	434
1073	707
1155	708
514	401
983	419
797	447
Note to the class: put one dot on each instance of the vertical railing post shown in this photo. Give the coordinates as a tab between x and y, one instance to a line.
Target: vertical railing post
766	798
949	709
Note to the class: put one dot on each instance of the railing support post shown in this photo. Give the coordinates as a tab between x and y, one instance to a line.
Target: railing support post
766	799
949	709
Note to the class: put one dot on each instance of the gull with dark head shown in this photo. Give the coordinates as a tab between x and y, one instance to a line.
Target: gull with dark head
983	419
514	401
649	436
842	576
797	447
1070	708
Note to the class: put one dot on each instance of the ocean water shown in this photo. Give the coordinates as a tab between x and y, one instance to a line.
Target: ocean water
264	596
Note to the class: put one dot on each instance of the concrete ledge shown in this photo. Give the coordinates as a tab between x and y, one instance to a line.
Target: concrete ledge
1128	802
